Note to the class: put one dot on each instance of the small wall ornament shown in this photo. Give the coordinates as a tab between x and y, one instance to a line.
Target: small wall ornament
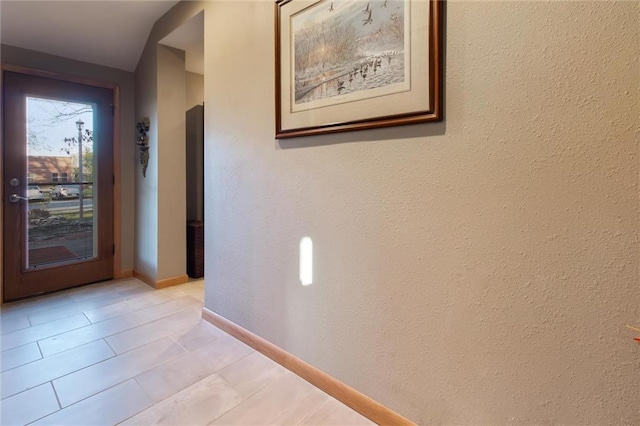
143	143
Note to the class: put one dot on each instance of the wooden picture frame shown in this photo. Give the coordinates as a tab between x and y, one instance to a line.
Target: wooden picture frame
346	65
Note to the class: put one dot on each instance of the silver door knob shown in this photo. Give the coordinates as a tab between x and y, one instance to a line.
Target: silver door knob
14	198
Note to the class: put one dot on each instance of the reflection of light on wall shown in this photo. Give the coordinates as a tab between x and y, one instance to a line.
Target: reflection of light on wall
306	261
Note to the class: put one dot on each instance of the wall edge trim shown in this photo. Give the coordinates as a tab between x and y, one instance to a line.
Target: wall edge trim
344	393
127	273
169	282
160	284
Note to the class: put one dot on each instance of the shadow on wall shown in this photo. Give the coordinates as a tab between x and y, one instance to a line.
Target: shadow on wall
374	135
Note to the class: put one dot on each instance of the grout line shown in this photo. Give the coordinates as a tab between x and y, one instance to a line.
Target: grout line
98	392
57	400
146	319
148	323
145	391
46	337
239	403
115	354
105	360
92	395
173	339
127	311
17	329
26	363
317	408
55	392
34	308
29	320
77	307
153	404
71	372
234	362
39	349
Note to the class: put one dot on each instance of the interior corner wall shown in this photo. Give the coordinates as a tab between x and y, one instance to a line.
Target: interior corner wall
150	247
172	176
42	61
1	186
476	271
146	212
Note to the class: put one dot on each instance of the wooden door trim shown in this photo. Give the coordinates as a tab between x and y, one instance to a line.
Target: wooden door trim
117	161
20	280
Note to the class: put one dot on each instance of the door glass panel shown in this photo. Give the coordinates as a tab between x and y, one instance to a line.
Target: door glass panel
62	214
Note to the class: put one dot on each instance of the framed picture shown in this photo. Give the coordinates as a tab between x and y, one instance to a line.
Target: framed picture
346	65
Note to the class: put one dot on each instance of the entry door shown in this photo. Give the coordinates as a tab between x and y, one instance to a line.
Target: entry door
57	184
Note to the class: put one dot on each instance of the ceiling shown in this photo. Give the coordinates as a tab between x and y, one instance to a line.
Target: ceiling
104	32
190	38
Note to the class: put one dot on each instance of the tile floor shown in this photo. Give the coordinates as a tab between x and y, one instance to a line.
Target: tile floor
121	352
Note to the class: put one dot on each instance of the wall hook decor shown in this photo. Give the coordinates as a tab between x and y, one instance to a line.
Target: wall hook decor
143	143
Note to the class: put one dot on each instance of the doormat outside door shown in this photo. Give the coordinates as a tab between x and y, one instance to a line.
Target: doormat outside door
53	254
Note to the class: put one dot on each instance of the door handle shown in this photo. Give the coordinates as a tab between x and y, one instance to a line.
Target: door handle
14	198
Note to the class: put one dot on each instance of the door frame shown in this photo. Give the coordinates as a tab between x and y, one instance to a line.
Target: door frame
117	271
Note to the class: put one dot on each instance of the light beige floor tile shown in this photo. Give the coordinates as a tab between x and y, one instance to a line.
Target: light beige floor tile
269	403
296	413
13	323
252	373
35	373
42	331
333	412
19	356
195	292
131	287
125	307
152	331
131	282
28	406
106	408
174	305
40	303
92	292
187	289
201	335
172	377
127	283
96	378
198	404
42	317
105	287
90	333
135	291
99	288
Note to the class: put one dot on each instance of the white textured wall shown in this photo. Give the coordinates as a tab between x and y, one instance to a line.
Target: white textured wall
476	271
146	213
172	176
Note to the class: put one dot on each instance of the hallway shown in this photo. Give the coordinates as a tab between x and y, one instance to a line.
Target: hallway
121	352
